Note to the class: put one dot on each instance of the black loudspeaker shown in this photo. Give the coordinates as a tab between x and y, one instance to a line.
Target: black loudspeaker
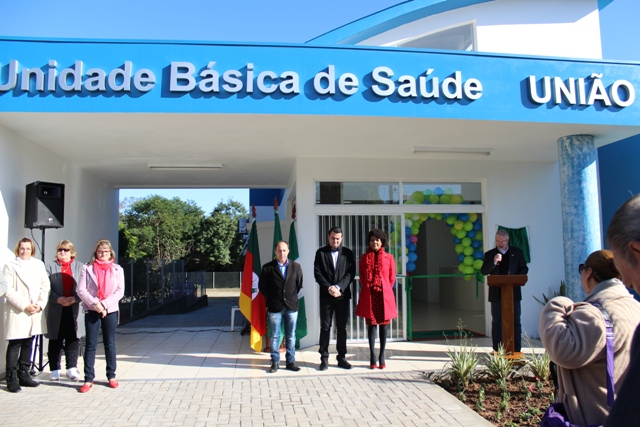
44	205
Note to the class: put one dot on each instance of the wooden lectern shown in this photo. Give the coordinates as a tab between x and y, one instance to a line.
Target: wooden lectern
506	284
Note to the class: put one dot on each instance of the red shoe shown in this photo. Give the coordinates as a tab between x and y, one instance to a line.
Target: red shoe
383	366
373	366
113	383
86	387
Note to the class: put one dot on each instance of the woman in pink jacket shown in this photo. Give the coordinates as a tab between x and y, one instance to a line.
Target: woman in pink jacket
377	303
101	287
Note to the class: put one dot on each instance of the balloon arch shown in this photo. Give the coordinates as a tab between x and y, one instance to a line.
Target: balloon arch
465	228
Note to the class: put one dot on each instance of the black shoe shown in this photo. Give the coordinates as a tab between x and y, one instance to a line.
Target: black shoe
12	380
324	365
24	378
293	367
273	368
344	364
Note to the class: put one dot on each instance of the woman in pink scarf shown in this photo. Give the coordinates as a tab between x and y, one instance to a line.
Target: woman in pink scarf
101	287
377	303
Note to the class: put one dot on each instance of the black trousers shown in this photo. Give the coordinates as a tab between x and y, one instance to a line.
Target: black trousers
329	306
66	340
19	352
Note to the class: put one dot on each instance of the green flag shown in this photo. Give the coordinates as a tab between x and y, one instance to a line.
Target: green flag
301	326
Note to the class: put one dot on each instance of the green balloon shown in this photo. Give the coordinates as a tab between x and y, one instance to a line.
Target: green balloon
448	191
459	248
415	229
445	199
418	197
466	242
438	217
468	270
460	233
468	250
478	235
451	219
423	217
473	217
427	192
468	260
458	225
477	264
454	231
461	268
415	217
434	199
468	278
456	199
468	226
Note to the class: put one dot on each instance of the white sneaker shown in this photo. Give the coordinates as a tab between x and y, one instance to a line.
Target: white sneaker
55	375
73	374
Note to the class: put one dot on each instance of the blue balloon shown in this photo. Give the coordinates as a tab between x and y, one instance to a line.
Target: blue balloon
445	216
475	244
456	240
426	202
477	225
392	226
461	257
412	257
463	217
412	247
471	234
448	225
439	191
407	230
478	255
411	266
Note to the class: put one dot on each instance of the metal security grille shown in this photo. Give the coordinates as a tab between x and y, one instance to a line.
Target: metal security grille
355	229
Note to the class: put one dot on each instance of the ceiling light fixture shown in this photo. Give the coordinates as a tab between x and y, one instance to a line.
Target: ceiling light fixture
212	167
452	150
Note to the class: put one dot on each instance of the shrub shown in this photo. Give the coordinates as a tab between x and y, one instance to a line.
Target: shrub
463	362
499	368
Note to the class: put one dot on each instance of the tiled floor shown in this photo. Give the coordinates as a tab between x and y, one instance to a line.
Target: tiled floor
180	373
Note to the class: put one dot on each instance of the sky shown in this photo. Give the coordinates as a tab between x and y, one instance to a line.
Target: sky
285	21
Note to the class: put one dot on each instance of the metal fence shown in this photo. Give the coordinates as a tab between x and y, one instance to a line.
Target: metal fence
224	279
150	284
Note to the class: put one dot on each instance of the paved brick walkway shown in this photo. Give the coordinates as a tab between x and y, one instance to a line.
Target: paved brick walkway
189	370
393	399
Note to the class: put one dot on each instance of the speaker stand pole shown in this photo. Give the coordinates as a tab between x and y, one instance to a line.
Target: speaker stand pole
38	351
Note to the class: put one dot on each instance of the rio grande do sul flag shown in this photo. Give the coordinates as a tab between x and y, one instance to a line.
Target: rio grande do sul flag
252	303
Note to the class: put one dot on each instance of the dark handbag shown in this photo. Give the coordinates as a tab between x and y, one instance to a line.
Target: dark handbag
556	415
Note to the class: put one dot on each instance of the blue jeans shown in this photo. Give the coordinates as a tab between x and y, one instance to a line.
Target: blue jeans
496	325
93	321
275	323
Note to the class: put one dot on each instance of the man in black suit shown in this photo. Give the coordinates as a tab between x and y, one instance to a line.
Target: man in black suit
504	260
280	282
334	270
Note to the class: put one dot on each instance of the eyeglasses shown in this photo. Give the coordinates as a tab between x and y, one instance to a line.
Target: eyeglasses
103	252
64	250
582	268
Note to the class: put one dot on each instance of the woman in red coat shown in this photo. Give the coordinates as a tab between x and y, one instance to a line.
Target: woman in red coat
377	303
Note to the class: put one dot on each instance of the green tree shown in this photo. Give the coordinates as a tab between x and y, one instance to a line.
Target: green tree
218	243
160	228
